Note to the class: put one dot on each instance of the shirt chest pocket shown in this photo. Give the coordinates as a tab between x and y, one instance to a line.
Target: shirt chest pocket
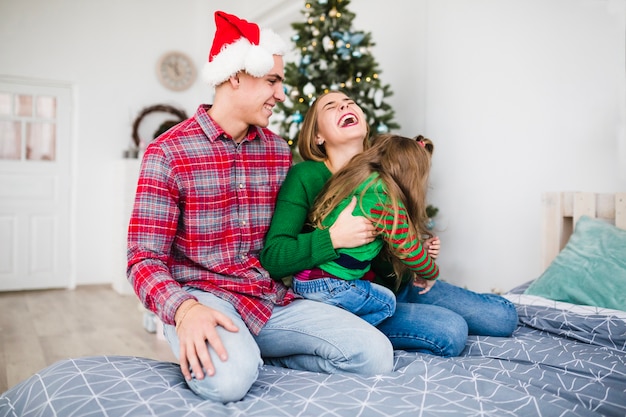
206	207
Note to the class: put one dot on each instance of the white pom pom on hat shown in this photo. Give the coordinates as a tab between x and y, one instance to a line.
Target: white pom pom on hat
240	45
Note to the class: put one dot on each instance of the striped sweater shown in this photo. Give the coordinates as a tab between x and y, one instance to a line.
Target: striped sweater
353	263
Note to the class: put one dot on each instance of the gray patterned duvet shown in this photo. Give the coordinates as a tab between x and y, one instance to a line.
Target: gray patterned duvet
563	360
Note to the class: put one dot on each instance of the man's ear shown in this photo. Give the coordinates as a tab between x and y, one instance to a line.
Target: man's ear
234	80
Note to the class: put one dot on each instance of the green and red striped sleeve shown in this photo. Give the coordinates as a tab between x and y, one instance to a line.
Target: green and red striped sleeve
409	248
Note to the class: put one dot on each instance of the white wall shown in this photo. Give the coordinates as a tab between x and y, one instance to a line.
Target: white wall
519	96
108	50
526	97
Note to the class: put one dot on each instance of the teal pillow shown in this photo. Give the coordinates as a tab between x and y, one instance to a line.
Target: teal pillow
590	270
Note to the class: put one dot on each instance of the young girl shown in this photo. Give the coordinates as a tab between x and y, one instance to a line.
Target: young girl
389	181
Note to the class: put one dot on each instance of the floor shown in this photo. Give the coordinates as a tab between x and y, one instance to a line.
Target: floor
39	328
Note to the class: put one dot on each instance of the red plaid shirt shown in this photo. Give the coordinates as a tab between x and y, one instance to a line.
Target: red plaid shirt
202	209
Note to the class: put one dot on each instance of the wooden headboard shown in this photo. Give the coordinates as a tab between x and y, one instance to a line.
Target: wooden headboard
561	210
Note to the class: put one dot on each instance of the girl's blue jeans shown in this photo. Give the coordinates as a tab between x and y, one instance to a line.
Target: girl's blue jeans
372	302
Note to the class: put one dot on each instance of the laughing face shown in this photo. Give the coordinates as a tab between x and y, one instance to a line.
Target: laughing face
339	120
260	95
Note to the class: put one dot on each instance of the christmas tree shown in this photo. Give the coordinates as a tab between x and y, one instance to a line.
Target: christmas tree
332	56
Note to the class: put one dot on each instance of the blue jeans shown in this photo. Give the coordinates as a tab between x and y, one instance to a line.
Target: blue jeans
372	302
303	335
439	321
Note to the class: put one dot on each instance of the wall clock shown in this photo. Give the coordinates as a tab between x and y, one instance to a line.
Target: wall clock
176	71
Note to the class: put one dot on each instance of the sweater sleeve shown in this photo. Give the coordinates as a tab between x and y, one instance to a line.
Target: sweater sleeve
288	247
409	247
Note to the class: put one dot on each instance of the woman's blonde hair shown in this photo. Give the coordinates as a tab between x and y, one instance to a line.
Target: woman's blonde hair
403	165
307	145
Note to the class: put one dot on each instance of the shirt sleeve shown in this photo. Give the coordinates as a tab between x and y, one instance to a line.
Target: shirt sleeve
151	232
288	247
407	245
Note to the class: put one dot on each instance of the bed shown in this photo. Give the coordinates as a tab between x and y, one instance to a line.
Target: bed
564	359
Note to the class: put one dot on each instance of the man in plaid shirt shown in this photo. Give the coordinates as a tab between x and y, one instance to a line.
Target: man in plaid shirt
204	202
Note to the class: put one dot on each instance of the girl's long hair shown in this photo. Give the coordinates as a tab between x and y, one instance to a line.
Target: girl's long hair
403	165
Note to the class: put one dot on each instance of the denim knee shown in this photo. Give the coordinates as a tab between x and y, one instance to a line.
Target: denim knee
228	384
426	328
502	316
233	377
450	340
376	359
453	342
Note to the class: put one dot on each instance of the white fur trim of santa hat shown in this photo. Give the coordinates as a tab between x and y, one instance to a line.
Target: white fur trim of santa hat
251	52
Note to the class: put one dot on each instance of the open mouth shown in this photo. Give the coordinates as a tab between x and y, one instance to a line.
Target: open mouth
348	120
269	108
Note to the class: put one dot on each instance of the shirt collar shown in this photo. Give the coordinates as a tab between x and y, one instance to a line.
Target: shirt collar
213	131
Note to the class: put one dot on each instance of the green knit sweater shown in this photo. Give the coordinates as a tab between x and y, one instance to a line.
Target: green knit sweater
290	247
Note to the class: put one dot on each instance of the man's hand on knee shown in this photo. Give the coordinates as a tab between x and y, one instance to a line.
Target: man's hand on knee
196	329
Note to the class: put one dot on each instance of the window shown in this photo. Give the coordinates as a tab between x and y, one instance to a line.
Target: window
28	127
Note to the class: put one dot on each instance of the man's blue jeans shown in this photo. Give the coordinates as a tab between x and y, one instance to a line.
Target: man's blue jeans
303	335
372	302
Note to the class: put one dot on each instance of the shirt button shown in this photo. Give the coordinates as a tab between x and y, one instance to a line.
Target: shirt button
243	222
240	185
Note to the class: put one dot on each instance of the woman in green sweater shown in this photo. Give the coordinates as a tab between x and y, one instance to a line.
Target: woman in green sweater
389	182
437	322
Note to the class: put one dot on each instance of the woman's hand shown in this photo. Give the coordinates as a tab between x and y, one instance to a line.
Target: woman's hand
350	231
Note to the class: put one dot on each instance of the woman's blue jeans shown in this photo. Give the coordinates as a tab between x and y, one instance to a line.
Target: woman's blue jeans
439	321
372	302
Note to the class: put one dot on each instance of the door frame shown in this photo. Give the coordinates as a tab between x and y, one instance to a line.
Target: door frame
72	160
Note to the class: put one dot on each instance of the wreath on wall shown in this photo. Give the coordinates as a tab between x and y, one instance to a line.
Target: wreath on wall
157	108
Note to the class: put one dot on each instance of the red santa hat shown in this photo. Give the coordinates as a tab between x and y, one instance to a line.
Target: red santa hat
240	45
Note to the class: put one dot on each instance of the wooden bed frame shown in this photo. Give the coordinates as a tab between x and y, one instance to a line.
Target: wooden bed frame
561	211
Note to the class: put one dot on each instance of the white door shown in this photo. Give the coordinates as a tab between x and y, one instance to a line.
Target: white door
35	185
